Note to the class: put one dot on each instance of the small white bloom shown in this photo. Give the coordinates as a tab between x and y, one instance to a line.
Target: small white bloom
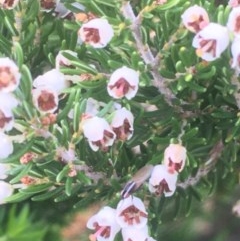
6	146
105	225
98	132
52	79
136	234
6	190
63	61
235	49
131	212
45	100
195	18
4	168
175	157
123	82
233	23
8	4
9	75
211	41
162	181
122	124
97	32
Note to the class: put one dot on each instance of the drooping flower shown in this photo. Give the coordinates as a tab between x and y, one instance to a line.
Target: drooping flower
52	79
131	212
98	132
6	190
105	225
233	23
136	234
211	41
123	82
45	100
6	146
97	33
122	124
8	4
235	49
162	181
9	75
195	18
175	157
4	168
61	60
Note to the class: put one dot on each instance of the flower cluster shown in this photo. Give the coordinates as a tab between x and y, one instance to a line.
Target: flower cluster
212	39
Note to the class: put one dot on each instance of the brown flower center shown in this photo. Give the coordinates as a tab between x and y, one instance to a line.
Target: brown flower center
209	46
4	119
174	165
123	131
48	4
46	101
102	143
121	87
6	77
196	24
162	187
92	35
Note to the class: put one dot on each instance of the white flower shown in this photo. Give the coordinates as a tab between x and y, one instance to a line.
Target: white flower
45	100
9	75
66	155
131	212
4	168
236	209
63	61
97	32
8	4
233	3
122	124
235	49
53	79
175	157
105	225
233	23
136	234
98	132
211	41
195	18
162	181
6	146
123	82
6	190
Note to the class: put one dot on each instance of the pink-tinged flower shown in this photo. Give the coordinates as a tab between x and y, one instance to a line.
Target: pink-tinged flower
175	157
195	18
6	190
211	41
4	168
9	75
234	3
235	49
162	181
52	79
97	33
8	4
98	132
131	212
122	124
45	100
123	82
233	23
136	234
105	225
6	146
61	60
65	155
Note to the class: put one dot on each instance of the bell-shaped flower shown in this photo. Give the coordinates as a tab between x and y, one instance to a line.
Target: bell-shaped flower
5	4
123	82
61	60
233	23
195	18
52	79
234	3
4	168
104	224
122	124
211	41
136	234
175	157
98	132
6	146
45	100
6	190
162	181
97	33
235	49
9	75
131	212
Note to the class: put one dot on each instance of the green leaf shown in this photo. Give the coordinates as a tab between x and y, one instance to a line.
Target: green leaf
36	188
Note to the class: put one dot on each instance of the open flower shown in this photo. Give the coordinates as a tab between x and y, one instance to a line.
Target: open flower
175	157
162	181
235	49
195	18
6	146
123	82
131	212
8	4
45	100
234	3
9	75
105	225
136	234
6	190
98	132
97	33
233	23
211	41
122	124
